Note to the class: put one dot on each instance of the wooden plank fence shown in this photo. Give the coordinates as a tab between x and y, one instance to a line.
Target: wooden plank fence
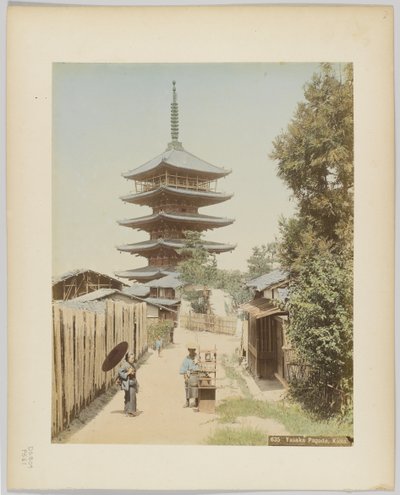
209	323
81	341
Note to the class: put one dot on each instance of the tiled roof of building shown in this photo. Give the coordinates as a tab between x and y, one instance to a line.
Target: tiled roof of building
268	280
96	295
95	306
138	290
95	301
159	301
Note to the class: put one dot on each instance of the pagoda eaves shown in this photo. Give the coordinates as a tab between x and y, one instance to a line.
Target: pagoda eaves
198	197
151	245
146	273
191	220
174	184
177	161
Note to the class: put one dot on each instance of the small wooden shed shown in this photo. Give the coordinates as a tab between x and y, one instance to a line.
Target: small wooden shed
82	281
266	326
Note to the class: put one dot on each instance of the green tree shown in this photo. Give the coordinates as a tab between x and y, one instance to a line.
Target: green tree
198	270
161	328
315	156
315	160
234	283
199	267
262	259
321	331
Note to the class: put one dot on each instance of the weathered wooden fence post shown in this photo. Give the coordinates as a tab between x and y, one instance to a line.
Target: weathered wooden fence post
81	341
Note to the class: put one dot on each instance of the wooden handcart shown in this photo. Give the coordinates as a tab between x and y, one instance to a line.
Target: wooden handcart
207	361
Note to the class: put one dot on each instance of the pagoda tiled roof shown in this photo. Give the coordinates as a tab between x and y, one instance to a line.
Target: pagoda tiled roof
139	247
145	272
201	197
167	282
177	159
177	217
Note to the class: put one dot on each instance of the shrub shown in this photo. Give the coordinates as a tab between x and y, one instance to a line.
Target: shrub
160	328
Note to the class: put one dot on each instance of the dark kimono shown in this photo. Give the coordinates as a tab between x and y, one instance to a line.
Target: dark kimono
130	386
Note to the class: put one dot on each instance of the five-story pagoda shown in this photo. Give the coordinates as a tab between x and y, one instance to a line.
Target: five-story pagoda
175	184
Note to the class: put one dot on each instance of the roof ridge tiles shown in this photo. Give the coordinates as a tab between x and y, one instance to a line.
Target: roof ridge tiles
197	165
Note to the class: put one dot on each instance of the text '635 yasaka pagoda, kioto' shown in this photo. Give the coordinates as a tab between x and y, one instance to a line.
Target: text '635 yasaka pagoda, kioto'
175	184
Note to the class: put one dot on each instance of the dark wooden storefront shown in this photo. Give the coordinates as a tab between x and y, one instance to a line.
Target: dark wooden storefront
265	355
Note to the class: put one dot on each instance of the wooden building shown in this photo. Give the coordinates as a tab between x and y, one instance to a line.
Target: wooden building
163	292
78	282
160	305
174	184
266	340
96	301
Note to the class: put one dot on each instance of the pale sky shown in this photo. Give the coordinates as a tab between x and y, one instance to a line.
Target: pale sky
111	118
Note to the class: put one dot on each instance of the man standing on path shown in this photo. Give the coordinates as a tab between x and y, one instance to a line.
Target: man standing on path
189	369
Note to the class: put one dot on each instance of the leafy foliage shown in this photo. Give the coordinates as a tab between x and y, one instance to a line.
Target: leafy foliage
199	266
233	282
315	160
199	271
315	157
198	299
321	331
160	328
262	260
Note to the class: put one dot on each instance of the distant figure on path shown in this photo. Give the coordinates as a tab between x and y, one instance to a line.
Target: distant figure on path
171	332
127	375
189	369
159	343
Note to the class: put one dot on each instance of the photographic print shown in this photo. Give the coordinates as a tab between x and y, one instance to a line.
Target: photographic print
200	210
210	210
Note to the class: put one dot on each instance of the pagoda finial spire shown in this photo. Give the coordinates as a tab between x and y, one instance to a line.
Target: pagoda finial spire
174	144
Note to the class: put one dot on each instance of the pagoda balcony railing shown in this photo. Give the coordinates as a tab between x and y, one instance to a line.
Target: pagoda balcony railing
177	181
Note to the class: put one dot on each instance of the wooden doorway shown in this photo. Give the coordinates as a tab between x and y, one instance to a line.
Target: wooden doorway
266	347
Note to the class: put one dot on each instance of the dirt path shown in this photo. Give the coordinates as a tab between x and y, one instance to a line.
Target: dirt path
162	418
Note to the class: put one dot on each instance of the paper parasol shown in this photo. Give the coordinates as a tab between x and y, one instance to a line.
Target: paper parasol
115	356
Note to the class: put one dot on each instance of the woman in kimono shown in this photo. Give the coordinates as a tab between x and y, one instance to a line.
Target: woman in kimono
127	375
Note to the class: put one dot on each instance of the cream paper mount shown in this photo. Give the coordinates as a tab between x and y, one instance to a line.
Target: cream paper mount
40	36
